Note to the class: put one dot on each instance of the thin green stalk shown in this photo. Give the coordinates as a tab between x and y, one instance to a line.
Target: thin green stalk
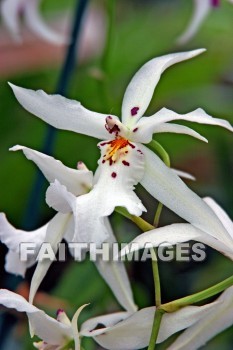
69	346
194	298
141	223
155	328
155	269
158	214
157	148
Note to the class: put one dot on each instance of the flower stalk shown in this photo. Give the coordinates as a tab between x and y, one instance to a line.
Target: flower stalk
194	298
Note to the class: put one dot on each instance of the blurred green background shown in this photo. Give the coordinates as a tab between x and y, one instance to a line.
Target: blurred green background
142	30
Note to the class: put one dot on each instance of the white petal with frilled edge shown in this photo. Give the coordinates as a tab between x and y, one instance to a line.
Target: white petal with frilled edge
134	332
59	198
120	170
62	113
141	88
77	181
55	232
10	14
201	10
88	220
44	326
174	234
35	22
147	126
219	319
13	238
221	214
114	187
167	188
115	275
14	265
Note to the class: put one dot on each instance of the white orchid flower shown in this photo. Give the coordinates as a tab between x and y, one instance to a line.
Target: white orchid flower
11	11
118	331
77	220
179	233
201	10
54	333
217	320
125	161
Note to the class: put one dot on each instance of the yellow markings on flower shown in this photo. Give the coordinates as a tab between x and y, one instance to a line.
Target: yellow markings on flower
116	149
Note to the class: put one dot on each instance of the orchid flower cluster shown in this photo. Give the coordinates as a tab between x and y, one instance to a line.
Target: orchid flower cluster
84	201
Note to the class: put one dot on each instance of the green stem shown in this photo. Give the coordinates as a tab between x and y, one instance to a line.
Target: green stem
155	269
141	223
158	214
194	298
157	148
69	346
155	328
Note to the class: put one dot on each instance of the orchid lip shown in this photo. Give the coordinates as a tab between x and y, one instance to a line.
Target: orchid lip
116	149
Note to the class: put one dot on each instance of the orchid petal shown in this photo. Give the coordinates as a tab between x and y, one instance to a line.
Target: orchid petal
141	88
117	177
88	328
145	136
197	116
168	189
34	21
174	234
75	327
115	275
201	10
59	198
77	181
183	174
62	113
87	220
221	214
55	232
219	319
13	238
44	326
10	14
134	331
147	126
91	229
115	187
14	265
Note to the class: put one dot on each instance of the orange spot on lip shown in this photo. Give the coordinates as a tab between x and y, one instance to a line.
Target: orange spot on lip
114	148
